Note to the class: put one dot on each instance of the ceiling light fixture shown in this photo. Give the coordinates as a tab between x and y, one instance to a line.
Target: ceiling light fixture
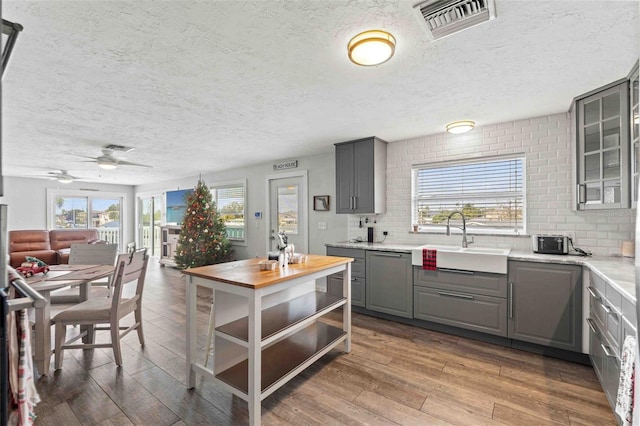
460	126
107	165
371	48
64	178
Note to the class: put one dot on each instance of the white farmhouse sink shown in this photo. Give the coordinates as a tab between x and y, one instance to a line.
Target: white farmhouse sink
481	259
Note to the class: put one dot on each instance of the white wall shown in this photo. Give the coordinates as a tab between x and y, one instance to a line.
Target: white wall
321	178
27	201
546	142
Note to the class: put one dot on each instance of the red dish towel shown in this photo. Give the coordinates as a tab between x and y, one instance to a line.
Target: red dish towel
429	259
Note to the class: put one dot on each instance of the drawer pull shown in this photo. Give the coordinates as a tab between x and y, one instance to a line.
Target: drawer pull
606	350
456	271
457	295
610	311
354	279
591	326
594	294
387	255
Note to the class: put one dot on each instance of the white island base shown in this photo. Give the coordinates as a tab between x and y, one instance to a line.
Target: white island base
266	323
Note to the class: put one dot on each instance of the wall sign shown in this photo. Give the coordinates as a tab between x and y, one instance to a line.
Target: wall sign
286	165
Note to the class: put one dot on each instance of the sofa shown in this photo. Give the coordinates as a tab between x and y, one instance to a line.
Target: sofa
52	247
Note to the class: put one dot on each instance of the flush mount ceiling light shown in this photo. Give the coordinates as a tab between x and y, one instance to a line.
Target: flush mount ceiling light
372	47
460	126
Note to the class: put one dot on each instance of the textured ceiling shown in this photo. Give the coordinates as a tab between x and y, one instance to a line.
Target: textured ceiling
201	86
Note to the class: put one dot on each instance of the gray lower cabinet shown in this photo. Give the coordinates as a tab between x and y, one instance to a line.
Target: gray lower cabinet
358	271
485	314
470	300
389	283
545	304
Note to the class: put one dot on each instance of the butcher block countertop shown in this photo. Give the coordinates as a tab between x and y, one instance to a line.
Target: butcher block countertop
246	273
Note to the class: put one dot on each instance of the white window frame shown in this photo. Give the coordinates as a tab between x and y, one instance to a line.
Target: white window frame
441	228
229	184
53	193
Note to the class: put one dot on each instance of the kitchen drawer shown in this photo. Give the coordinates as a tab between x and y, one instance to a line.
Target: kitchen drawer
598	283
346	252
358	266
614	297
334	287
473	312
481	283
629	311
613	329
628	329
596	354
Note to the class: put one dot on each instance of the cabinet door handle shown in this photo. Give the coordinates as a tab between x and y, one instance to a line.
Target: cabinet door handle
594	294
591	326
388	255
457	295
355	203
510	300
606	351
456	271
354	279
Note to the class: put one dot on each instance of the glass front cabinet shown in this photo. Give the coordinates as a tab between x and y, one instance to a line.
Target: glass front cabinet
604	148
634	120
607	124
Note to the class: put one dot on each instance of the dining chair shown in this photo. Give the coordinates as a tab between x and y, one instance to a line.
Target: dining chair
88	254
130	267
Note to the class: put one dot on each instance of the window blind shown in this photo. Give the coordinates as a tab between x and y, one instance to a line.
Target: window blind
230	202
490	193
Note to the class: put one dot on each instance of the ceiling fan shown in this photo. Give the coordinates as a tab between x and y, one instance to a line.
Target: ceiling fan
62	176
109	162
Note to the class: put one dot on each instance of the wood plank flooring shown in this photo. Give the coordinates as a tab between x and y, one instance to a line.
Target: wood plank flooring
395	375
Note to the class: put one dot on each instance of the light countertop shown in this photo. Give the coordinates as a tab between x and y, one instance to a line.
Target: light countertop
618	271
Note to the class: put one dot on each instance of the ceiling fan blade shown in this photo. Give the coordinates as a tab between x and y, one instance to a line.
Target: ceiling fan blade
129	163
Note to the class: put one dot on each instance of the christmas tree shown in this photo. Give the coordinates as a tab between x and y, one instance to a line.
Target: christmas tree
203	239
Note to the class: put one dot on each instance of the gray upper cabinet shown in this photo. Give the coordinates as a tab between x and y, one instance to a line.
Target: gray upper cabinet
361	176
603	148
390	283
545	304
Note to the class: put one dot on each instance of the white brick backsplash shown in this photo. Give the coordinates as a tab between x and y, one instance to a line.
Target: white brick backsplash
546	143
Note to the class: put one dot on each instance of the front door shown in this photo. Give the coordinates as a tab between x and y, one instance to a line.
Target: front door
288	211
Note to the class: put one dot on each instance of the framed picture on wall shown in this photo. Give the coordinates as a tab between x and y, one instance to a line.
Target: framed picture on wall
321	203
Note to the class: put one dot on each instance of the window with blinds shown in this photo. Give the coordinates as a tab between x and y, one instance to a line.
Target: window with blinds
489	192
231	201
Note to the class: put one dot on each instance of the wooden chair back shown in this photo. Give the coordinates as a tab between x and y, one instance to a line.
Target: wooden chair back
93	254
129	267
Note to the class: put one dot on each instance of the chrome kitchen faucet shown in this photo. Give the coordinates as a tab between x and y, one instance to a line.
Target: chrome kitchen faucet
465	243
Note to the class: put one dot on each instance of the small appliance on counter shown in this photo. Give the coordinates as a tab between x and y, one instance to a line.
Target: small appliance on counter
550	244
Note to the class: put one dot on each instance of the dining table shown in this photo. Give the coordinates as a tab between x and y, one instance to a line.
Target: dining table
60	276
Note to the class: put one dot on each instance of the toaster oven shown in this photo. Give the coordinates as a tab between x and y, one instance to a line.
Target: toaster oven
550	244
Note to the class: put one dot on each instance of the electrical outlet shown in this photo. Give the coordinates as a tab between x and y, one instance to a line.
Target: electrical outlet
322	225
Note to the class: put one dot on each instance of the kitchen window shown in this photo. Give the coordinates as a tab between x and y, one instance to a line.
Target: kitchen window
231	203
490	192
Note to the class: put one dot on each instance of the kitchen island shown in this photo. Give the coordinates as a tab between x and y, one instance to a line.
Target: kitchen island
267	324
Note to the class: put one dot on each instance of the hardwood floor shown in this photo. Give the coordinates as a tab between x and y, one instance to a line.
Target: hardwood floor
395	375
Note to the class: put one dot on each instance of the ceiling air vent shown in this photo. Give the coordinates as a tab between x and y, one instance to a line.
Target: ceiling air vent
118	148
446	17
